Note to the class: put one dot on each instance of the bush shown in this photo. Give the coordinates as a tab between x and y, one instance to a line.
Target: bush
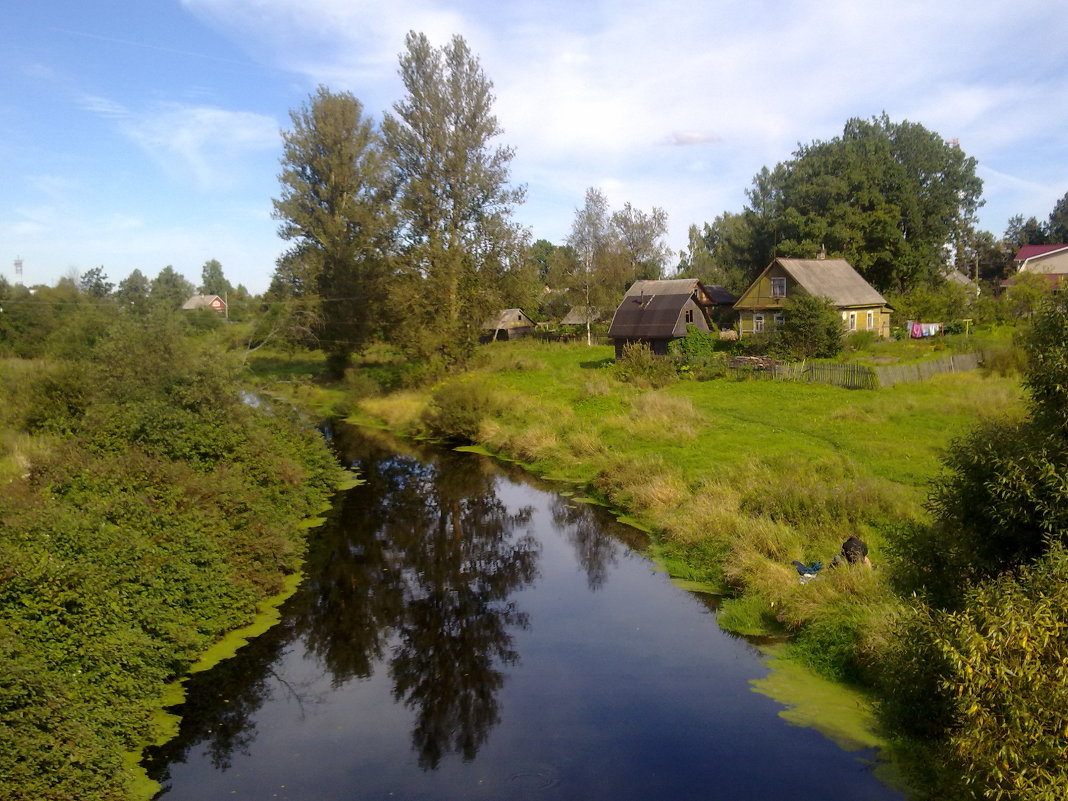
812	329
640	366
457	409
700	355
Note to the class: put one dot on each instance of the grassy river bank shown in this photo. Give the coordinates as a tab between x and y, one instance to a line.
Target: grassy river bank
735	480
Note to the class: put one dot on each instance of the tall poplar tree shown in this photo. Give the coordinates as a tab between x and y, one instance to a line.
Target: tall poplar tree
456	235
335	208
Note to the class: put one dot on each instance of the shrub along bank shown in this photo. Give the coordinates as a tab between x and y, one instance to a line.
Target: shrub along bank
736	479
146	509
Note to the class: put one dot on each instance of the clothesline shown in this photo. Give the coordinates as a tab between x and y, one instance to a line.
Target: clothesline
918	330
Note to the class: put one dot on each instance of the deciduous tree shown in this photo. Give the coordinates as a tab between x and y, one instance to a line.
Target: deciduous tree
170	289
212	280
456	235
334	205
891	197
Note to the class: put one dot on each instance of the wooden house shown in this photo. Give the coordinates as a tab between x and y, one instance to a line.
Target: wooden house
761	308
213	302
508	324
656	312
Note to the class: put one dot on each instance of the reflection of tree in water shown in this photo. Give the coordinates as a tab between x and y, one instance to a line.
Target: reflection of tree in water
221	704
595	550
461	565
417	564
428	557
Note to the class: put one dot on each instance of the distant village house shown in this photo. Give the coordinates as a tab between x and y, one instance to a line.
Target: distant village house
1048	261
508	324
213	302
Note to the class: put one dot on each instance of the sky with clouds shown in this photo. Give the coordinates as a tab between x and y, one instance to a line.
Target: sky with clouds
142	134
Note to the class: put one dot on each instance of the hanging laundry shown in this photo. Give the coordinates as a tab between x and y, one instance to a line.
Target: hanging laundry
917	330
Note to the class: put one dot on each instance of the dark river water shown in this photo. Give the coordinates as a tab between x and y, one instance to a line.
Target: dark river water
464	633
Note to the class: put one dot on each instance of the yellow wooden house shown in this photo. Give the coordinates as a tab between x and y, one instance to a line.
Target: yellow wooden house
762	307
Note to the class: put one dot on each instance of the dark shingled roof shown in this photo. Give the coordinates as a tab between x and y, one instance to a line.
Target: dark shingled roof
651	316
1030	251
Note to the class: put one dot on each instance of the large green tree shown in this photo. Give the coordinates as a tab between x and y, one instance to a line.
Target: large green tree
891	197
170	289
213	281
334	206
455	202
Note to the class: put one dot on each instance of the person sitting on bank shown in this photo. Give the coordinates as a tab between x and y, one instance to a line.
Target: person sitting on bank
854	552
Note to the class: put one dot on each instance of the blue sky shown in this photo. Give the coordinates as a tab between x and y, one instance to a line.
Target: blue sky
142	134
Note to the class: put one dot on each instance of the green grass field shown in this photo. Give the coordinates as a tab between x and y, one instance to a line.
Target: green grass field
735	478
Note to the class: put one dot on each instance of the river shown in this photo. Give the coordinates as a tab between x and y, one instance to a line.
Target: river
465	633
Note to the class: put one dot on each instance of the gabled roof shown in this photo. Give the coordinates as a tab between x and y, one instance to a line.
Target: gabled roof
652	316
1030	251
671	286
204	302
508	318
576	315
706	293
834	279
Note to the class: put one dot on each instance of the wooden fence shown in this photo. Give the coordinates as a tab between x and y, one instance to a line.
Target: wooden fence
859	376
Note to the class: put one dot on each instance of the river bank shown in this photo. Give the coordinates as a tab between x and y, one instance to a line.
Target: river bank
154	511
735	480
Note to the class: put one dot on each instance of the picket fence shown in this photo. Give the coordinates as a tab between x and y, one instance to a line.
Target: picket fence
859	376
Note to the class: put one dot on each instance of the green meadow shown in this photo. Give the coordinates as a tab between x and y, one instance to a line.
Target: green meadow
734	478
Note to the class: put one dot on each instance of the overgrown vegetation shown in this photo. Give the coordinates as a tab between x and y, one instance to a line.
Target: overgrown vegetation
738	479
986	648
146	509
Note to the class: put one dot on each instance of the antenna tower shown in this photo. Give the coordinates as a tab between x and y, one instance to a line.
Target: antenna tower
18	266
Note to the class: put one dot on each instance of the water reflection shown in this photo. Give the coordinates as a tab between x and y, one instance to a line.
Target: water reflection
416	570
395	671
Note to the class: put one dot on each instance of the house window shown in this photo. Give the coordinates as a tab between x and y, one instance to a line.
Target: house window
778	287
689	315
758	323
852	321
779	320
871	320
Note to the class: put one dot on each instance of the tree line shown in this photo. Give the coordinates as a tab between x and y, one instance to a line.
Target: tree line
893	198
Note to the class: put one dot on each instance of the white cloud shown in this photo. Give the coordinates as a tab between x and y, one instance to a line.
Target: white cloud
204	145
201	141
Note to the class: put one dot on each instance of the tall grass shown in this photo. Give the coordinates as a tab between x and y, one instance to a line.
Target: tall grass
736	479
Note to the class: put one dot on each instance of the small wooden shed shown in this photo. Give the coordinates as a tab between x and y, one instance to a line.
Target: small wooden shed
508	324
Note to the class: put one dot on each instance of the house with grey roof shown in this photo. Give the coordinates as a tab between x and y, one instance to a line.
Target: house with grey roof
762	307
656	312
507	324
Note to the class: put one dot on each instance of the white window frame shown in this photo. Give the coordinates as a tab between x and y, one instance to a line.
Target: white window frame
758	323
779	320
871	320
778	287
852	321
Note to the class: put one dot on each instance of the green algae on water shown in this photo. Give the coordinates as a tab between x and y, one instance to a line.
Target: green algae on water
165	724
841	713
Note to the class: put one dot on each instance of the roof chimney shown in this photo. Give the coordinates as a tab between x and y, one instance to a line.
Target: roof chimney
822	254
